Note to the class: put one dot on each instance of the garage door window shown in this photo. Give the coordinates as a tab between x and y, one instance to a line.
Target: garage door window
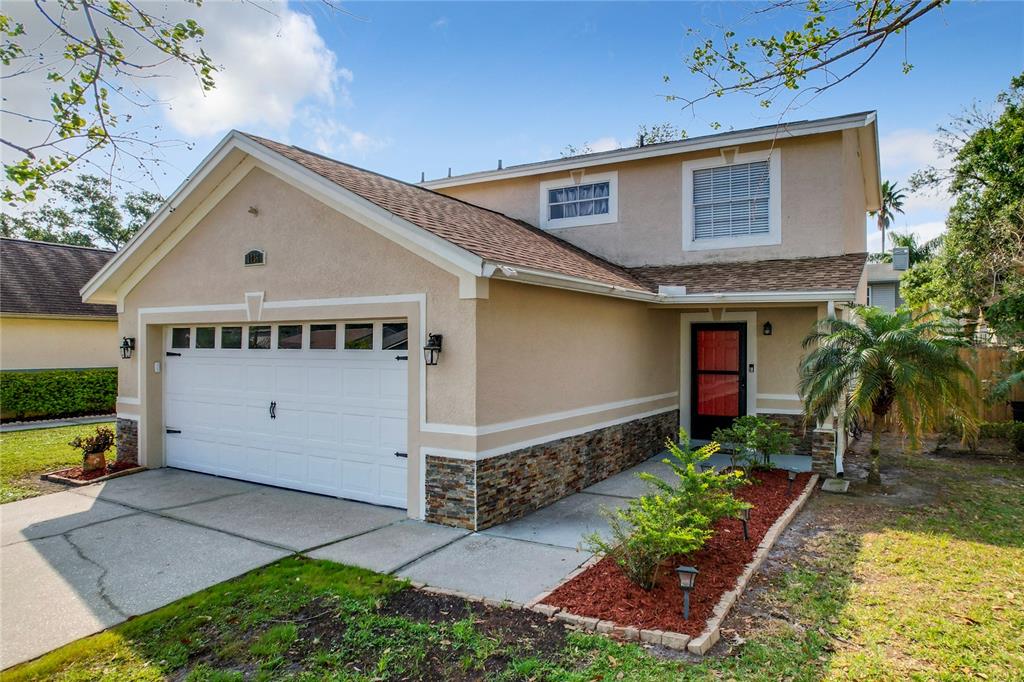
358	337
289	337
395	336
181	337
323	336
205	337
230	337
259	338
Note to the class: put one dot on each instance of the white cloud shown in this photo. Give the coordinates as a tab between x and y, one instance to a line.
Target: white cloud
604	144
331	137
270	60
439	23
909	148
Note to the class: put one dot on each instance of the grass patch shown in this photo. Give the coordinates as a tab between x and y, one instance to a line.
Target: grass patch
874	592
24	454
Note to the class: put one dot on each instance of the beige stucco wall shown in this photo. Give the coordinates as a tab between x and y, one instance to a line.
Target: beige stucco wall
45	343
543	350
822	205
779	354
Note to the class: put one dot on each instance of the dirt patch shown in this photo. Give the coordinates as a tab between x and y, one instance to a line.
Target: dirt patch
511	627
603	591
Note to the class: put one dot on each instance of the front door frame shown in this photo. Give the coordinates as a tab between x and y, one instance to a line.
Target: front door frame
718	315
741	373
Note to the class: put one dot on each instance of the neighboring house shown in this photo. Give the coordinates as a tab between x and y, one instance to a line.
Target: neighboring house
281	303
884	281
43	322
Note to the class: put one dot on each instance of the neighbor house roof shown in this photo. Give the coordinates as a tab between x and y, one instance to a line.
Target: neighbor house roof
43	279
490	235
882	272
827	273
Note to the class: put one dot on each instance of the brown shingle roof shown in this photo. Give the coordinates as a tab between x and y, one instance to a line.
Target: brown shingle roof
37	278
793	274
488	234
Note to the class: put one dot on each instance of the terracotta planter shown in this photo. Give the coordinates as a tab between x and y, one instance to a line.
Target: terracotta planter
94	461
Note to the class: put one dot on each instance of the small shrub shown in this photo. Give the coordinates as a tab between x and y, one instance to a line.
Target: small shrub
753	440
1011	431
56	393
675	519
94	448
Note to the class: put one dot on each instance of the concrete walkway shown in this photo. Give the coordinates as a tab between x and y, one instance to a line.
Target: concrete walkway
77	562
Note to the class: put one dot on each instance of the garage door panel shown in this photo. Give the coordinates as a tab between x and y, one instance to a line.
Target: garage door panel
358	382
340	418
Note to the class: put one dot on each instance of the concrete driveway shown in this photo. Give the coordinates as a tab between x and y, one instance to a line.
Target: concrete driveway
77	562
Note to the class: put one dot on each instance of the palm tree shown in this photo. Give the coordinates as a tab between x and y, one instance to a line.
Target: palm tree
892	203
880	364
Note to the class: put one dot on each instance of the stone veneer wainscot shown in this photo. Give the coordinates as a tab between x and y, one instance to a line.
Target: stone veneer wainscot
479	494
127	440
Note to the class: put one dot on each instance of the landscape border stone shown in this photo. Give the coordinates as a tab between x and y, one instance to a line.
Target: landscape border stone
55	477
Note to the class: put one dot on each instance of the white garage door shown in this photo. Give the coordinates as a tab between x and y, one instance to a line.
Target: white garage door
320	406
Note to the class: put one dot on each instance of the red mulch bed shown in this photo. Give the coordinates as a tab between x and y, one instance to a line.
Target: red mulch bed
76	473
602	591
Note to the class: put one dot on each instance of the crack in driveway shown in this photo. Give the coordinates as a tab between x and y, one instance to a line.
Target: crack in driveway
101	587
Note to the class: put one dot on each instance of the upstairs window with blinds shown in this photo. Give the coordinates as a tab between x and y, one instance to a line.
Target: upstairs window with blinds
731	201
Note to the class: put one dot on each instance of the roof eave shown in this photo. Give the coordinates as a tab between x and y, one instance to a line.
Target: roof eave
813	296
739	137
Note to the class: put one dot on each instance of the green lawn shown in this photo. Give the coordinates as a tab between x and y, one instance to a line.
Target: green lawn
26	454
871	588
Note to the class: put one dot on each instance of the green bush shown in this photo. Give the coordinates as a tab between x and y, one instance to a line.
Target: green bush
752	440
50	394
677	519
1011	431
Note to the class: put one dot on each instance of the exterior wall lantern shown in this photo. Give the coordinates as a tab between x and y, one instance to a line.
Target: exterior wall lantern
127	346
432	349
789	482
687	579
767	329
745	519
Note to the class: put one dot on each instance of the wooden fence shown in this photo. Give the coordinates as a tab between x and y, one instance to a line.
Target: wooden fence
986	361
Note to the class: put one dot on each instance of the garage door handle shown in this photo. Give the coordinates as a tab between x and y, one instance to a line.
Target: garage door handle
404	455
173	430
401	357
173	355
273	410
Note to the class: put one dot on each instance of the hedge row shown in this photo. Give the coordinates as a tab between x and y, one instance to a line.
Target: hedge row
1011	431
55	393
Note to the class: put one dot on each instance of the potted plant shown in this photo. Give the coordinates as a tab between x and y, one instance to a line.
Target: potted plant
94	449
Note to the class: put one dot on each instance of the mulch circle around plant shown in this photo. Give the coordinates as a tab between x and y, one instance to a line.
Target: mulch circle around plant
76	473
604	592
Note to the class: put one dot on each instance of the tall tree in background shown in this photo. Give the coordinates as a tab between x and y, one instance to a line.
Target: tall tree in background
892	203
83	212
918	252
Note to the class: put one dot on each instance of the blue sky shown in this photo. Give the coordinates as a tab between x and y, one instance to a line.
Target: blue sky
408	87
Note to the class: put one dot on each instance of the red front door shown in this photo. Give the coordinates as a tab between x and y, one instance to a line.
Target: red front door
719	386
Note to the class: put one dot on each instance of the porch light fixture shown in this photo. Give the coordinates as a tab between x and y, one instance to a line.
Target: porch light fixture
687	579
432	349
789	482
127	346
745	519
767	329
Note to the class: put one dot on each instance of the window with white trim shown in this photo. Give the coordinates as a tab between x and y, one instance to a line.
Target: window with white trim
731	201
574	202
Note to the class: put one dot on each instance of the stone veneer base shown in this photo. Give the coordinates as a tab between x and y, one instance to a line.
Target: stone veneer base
127	440
703	642
477	494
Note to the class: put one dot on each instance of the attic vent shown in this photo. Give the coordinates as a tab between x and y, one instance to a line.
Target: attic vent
255	257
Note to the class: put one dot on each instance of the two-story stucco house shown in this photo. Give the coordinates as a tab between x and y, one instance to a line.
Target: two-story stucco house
476	347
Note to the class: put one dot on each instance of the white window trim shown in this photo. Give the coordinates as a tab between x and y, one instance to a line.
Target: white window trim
612	216
774	235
